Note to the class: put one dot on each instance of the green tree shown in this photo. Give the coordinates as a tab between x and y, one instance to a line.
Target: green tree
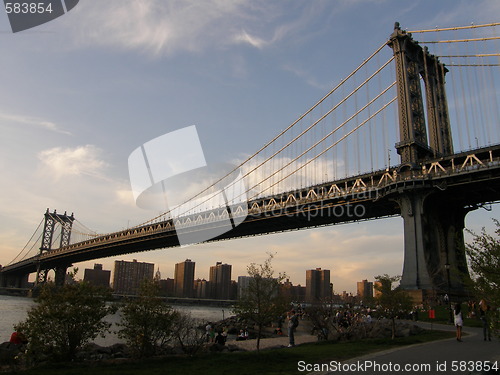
188	334
394	302
484	260
147	322
64	319
261	301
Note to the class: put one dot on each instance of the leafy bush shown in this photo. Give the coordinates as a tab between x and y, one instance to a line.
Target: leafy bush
64	319
484	260
147	322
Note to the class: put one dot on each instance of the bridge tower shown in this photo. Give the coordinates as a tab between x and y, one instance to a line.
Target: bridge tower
66	223
434	257
412	64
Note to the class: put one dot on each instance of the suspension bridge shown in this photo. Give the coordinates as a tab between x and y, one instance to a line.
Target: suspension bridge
379	144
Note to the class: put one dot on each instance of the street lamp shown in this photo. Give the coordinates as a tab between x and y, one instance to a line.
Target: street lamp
447	268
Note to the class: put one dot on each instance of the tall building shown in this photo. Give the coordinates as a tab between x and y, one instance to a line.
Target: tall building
295	293
128	275
220	281
365	289
269	286
318	285
202	288
97	276
243	283
167	287
184	279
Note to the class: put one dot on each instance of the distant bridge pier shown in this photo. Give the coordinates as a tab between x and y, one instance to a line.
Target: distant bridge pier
14	281
434	250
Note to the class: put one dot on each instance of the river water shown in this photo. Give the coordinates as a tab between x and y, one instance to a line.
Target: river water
14	310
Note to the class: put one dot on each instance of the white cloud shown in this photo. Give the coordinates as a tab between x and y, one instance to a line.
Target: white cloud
246	38
33	121
82	160
155	26
158	27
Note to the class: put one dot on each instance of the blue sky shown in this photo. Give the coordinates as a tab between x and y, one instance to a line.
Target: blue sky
80	93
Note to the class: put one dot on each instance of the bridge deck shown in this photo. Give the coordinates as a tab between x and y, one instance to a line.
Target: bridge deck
471	178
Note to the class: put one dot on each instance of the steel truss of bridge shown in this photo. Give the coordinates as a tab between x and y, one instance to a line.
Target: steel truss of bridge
466	180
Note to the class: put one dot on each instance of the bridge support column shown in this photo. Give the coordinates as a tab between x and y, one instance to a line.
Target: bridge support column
415	272
434	255
60	277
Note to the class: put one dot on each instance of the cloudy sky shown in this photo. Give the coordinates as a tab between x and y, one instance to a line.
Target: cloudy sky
80	93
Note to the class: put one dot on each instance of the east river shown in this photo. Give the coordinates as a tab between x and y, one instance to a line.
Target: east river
14	310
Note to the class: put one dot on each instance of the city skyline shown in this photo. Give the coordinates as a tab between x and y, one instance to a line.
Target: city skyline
321	278
82	92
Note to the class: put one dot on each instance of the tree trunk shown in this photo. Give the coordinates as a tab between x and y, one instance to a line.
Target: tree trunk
258	337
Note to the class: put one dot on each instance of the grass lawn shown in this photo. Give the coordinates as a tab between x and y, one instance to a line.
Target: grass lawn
443	317
272	362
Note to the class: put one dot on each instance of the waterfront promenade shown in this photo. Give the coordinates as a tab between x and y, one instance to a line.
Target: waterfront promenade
446	356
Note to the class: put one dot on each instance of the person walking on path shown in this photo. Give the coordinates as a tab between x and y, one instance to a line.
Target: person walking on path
459	322
293	322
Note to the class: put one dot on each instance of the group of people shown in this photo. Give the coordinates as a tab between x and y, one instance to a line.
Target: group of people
219	338
484	309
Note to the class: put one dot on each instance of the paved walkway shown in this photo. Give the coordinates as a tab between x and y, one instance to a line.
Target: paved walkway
439	357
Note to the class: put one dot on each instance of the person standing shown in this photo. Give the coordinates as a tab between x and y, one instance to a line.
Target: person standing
293	322
459	322
208	329
483	315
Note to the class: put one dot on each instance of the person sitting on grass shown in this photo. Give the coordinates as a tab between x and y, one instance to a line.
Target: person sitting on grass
241	336
220	339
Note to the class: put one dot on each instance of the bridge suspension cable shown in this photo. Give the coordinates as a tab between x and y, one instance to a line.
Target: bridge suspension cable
469	65
460	40
455	28
258	163
477	55
27	250
348	128
280	158
472	61
329	147
277	163
309	128
82	230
